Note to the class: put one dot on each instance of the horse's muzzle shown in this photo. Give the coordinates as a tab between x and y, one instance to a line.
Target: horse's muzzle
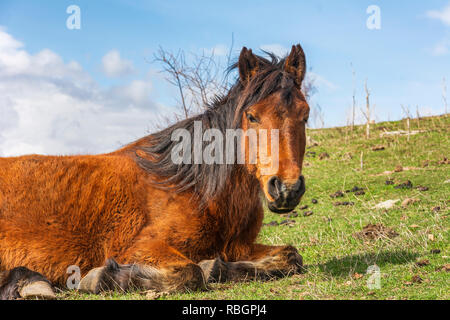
287	197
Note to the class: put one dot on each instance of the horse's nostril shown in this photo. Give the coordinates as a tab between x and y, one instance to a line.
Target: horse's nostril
274	187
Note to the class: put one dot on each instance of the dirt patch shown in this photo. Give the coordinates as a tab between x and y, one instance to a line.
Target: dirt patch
357	191
314	201
405	185
423	263
378	148
154	295
388	173
357	275
272	224
444	161
337	194
414	279
287	222
445	268
308	213
343	203
375	231
293	214
409	201
422	188
347	156
310	142
324	156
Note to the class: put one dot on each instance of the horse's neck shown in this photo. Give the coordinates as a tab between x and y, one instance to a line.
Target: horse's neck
239	199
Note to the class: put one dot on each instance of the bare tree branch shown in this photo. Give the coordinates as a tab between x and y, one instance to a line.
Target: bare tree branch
175	67
309	89
353	97
407	112
198	77
366	113
444	94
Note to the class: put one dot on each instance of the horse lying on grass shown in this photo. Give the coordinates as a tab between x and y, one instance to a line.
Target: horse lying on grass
134	219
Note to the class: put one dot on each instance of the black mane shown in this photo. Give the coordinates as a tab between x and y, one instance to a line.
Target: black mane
224	112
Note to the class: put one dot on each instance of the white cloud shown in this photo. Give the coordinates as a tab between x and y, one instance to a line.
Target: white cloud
443	15
219	50
136	93
321	81
114	66
442	48
51	107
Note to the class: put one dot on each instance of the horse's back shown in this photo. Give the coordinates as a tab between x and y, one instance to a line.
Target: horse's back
46	185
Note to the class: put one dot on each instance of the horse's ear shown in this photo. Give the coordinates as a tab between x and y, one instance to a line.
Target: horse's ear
296	64
248	65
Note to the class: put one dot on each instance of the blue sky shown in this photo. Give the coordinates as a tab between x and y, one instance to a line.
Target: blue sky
404	62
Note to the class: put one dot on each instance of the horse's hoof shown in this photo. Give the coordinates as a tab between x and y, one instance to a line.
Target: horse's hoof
214	270
294	259
37	290
91	282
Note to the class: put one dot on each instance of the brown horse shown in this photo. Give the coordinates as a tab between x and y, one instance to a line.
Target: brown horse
170	226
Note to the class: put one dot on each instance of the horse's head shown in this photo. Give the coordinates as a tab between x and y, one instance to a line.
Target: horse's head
282	113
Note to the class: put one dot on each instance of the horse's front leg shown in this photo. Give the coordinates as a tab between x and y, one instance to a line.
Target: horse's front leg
23	283
155	266
263	263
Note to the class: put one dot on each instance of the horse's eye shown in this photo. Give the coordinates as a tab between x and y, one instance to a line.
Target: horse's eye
251	118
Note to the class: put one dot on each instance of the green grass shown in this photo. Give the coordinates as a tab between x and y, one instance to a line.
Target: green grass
325	240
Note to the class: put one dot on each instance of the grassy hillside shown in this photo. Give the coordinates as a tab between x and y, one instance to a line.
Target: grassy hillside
412	253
